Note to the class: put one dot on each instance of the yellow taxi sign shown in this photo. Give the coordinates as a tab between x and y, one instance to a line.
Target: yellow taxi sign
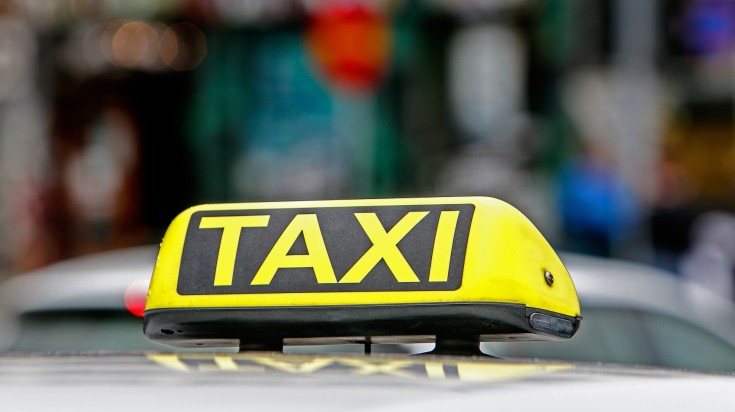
273	271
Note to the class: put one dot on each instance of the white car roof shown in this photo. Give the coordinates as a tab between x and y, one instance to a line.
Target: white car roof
614	283
95	281
132	382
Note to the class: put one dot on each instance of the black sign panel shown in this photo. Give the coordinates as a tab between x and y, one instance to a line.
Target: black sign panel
370	248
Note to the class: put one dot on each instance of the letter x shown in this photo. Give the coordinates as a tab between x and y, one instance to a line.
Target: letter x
384	247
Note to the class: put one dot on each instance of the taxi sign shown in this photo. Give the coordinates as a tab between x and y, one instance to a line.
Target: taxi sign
232	274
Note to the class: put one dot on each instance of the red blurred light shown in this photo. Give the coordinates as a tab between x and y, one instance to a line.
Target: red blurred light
135	297
351	43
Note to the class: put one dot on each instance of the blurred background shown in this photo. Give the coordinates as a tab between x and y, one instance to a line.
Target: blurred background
610	123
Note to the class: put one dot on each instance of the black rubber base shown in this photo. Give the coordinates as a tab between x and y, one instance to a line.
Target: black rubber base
269	326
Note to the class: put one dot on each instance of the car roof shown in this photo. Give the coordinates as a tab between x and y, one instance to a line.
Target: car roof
124	382
89	282
620	284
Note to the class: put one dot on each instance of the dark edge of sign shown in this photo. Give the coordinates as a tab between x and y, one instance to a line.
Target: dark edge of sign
190	327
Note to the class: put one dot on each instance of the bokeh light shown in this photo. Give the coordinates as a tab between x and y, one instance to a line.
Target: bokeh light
183	47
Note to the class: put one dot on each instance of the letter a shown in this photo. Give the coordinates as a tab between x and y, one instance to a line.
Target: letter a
316	257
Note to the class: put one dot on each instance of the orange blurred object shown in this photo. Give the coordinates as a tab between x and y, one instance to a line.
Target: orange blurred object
351	43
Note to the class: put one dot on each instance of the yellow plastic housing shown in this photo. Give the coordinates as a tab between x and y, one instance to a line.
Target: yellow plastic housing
507	260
